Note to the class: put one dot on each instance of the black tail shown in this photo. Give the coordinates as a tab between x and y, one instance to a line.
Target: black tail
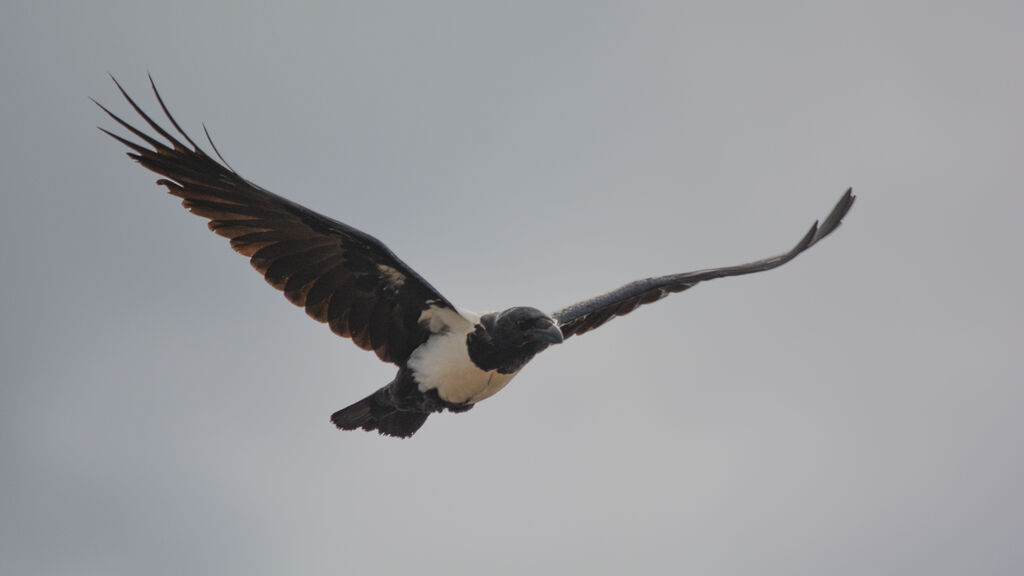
377	412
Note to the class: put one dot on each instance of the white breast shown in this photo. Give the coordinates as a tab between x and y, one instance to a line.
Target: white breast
443	364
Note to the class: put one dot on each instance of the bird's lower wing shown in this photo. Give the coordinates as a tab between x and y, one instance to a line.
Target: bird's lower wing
589	314
340	275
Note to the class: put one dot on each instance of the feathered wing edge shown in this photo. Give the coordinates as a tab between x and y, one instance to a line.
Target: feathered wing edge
340	275
591	313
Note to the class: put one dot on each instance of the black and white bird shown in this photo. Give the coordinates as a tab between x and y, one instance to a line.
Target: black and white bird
448	358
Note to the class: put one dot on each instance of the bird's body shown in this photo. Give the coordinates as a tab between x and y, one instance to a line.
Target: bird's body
464	361
448	358
442	363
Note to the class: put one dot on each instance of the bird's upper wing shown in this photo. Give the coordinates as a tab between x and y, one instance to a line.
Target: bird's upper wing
341	276
589	314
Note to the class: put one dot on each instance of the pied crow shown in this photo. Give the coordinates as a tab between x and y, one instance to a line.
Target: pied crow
448	358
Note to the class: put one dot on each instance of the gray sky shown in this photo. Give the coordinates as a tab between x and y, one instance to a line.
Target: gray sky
858	411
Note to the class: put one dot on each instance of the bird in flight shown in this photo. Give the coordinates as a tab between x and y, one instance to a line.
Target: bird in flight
448	358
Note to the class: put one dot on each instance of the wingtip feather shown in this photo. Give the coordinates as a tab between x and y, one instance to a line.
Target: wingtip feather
835	217
215	150
807	240
167	113
152	123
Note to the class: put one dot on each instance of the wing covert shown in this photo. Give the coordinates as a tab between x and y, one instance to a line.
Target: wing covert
340	275
589	314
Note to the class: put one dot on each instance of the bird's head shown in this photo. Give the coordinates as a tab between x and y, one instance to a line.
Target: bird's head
507	340
525	327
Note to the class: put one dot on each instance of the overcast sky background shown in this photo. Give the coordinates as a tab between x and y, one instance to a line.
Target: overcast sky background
858	411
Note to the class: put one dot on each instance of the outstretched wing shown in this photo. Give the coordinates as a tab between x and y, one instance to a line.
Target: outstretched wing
341	276
589	314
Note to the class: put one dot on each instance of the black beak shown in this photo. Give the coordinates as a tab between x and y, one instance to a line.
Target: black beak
549	335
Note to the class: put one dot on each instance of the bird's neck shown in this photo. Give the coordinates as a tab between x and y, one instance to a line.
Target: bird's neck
488	353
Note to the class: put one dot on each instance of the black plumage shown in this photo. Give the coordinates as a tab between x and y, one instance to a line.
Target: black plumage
448	358
589	314
340	275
